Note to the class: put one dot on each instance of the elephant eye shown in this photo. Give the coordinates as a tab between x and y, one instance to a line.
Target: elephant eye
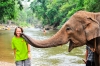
68	28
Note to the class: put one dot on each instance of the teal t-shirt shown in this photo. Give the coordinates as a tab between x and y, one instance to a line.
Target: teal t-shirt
20	46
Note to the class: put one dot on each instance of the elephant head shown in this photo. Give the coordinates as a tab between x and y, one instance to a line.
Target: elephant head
81	27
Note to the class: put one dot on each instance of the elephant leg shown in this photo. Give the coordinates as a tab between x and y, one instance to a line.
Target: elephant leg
99	54
96	59
99	60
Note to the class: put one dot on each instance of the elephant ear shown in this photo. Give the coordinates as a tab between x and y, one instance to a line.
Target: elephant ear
92	28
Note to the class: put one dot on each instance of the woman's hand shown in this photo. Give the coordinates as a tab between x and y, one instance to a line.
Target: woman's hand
29	55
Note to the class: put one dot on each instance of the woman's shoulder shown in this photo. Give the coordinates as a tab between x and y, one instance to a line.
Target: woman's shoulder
14	38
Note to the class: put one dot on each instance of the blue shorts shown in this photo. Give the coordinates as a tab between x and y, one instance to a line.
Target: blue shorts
23	63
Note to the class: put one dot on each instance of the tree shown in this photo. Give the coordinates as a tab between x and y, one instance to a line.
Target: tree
9	9
57	12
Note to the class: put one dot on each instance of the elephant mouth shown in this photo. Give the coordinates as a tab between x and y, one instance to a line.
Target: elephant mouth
70	45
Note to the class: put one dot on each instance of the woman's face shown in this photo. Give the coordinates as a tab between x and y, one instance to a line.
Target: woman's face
18	32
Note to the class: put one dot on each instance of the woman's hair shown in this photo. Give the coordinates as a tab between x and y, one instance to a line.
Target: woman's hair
16	29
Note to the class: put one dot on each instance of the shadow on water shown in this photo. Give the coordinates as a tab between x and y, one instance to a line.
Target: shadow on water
55	56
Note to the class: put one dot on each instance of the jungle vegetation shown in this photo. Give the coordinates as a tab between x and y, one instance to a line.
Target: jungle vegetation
49	12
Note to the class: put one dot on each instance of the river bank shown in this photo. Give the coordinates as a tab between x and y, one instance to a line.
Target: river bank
6	26
6	64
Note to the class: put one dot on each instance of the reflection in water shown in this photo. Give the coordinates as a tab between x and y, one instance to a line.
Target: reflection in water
55	56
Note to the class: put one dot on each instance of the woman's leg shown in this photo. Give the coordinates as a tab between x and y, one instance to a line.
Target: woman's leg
19	63
27	62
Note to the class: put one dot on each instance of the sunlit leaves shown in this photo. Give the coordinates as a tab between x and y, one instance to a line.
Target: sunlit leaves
9	9
54	12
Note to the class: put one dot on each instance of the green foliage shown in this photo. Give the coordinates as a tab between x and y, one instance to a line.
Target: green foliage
13	10
51	12
5	10
57	12
9	9
24	18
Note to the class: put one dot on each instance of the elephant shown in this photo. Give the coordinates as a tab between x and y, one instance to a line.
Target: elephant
82	28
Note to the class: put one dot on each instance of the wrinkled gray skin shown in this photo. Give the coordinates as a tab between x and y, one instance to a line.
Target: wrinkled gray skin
82	28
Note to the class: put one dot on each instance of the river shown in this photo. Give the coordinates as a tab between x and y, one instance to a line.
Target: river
55	56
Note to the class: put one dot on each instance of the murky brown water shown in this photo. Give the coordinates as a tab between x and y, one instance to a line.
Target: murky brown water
55	56
5	46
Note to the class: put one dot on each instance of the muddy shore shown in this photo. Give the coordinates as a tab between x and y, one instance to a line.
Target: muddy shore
6	64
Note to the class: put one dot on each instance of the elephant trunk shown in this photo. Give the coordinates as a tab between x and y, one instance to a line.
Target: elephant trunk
54	41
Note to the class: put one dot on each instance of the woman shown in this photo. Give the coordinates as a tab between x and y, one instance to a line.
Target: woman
21	49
